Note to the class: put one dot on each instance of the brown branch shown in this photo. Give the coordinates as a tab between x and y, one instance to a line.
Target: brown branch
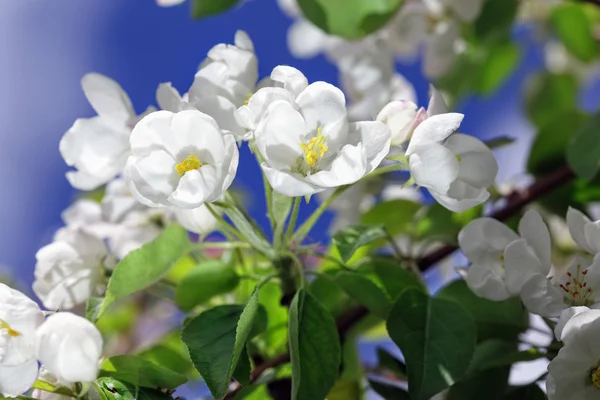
595	2
515	201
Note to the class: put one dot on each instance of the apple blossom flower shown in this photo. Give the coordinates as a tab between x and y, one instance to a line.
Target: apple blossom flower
181	160
574	374
70	347
169	3
71	269
98	147
584	232
484	241
309	146
19	319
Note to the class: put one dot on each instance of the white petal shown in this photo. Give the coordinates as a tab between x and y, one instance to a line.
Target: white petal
197	134
400	117
17	379
576	221
228	168
70	347
478	166
153	132
565	316
375	138
155	175
243	41
222	110
305	40
440	53
460	205
250	115
168	98
467	10
291	78
592	236
433	166
348	167
195	187
522	264
576	324
279	134
437	104
533	229
84	181
542	298
198	220
484	240
107	97
434	130
486	282
169	3
288	184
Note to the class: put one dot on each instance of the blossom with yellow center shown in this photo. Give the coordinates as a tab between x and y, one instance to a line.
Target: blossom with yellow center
190	163
576	289
315	149
5	326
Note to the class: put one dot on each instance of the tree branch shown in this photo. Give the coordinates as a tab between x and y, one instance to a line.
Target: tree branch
515	201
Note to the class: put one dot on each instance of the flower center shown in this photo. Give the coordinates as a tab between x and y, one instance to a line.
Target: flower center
576	288
595	375
458	157
9	330
315	149
189	164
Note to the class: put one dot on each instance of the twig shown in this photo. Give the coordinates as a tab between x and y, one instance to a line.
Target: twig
515	202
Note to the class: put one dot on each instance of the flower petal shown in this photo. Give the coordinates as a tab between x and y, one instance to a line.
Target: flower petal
153	132
305	40
290	78
434	130
288	184
486	282
168	98
542	298
400	116
460	205
17	379
484	240
522	264
195	187
250	115
348	167
533	229
437	104
433	166
107	97
195	132
576	221
375	138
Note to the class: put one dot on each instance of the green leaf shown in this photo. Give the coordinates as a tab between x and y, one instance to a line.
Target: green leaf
391	363
50	388
315	350
216	340
583	152
501	61
437	338
573	27
141	372
387	391
350	239
281	209
494	319
345	389
205	8
144	267
529	392
112	389
496	19
438	224
392	276
499	141
350	19
243	369
207	280
170	353
396	216
548	149
364	291
92	308
548	94
254	237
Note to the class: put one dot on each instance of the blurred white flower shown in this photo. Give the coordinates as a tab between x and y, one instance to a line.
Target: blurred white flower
169	3
181	160
70	347
98	147
584	232
575	372
19	319
309	146
484	241
198	220
71	269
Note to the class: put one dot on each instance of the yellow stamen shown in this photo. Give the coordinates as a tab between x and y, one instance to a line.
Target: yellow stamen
248	100
315	149
190	163
596	377
9	330
459	158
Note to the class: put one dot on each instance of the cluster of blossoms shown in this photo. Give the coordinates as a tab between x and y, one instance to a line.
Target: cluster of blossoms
68	346
506	264
177	164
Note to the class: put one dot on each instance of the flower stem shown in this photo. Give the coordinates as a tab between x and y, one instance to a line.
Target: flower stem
293	219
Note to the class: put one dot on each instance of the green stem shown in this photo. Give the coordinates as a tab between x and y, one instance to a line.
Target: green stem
326	257
224	224
293	219
224	245
243	211
385	170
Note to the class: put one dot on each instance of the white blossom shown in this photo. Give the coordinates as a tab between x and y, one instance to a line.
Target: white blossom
198	220
70	347
584	232
181	160
98	147
71	269
169	3
309	146
574	374
19	319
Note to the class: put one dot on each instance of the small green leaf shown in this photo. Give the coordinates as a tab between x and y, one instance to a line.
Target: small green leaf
574	29
496	19
216	340
364	291
113	389
396	216
499	141
170	353
346	389
494	319
50	388
583	152
144	267
438	223
205	8
141	372
315	350
207	280
254	237
437	338
243	369
392	276
548	95
497	67
350	239
388	391
281	208
92	308
350	19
